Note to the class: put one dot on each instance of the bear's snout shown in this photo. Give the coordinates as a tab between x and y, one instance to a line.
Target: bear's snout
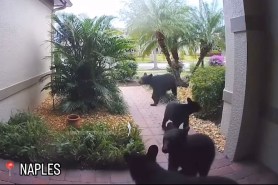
164	149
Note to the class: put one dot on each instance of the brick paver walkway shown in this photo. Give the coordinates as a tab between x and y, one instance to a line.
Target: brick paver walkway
149	120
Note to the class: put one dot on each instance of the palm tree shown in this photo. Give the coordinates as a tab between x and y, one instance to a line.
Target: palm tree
206	29
86	52
155	22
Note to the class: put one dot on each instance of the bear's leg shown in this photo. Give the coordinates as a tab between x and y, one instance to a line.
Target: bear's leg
203	172
186	122
165	119
174	91
172	164
155	98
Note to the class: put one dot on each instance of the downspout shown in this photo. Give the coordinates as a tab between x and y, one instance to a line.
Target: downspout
64	5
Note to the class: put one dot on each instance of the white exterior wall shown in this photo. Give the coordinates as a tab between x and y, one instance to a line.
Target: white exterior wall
232	9
24	29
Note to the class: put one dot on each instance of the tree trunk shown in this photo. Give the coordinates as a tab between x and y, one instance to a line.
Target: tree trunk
154	59
161	42
177	67
174	65
205	48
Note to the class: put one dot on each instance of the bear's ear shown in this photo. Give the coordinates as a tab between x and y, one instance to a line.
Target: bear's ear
189	100
152	152
151	75
145	74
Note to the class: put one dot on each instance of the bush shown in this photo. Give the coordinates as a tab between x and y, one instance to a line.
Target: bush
213	52
125	70
86	52
216	60
25	137
207	88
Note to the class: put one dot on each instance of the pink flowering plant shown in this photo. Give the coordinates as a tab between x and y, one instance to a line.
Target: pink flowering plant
216	60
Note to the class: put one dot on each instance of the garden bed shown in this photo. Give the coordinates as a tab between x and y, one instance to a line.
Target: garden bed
43	136
57	120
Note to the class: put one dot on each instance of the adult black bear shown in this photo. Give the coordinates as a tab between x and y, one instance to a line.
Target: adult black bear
179	113
193	153
160	85
145	170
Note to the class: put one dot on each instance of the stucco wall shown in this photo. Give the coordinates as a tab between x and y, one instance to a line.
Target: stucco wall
232	9
24	30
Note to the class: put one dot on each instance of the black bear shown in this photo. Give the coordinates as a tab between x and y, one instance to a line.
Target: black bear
179	113
193	153
144	169
160	85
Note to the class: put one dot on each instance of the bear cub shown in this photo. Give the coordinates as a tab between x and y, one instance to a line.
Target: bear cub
144	169
193	153
179	113
160	85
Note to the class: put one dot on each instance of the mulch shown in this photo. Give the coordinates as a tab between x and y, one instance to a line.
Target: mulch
57	120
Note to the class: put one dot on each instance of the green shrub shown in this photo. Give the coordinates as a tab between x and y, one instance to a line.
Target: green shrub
125	70
86	52
98	145
207	88
23	137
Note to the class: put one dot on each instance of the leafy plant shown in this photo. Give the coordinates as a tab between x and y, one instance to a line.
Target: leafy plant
25	137
206	29
86	52
207	89
125	70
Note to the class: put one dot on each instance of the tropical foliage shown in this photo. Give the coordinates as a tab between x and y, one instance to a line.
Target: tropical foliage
206	29
158	23
27	138
86	52
174	27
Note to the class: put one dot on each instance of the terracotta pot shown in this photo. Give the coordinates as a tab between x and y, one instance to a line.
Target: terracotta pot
74	120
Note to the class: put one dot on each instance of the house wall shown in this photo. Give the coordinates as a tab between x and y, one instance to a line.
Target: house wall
229	73
240	124
251	125
268	149
24	30
236	56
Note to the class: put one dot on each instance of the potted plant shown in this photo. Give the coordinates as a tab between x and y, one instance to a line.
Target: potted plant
74	120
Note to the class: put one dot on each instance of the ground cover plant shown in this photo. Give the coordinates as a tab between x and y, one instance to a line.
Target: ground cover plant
27	137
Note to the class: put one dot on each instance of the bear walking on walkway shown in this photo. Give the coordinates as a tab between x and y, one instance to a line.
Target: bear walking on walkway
179	113
193	153
144	169
160	85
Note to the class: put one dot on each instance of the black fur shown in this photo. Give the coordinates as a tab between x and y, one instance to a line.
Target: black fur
193	153
179	113
160	85
145	170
